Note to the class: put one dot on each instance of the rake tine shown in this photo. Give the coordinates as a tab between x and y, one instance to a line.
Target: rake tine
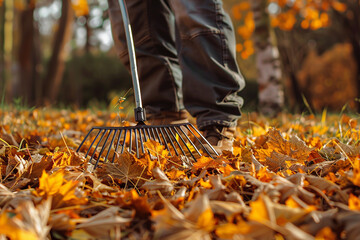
104	146
144	133
182	150
111	143
117	145
136	144
97	145
100	130
166	144
149	137
123	146
148	132
83	141
130	144
190	141
172	144
204	140
185	144
153	133
158	136
141	142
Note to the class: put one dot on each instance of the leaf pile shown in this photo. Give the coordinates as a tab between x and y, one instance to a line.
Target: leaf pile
294	177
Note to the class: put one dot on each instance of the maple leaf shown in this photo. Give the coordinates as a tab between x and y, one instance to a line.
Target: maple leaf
125	168
62	192
294	148
206	163
156	149
277	161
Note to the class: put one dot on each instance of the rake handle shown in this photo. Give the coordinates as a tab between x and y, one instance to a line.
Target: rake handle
140	115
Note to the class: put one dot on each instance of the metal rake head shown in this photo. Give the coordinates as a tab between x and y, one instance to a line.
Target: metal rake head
179	139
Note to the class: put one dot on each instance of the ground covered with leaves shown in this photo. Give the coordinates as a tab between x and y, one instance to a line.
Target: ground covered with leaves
293	177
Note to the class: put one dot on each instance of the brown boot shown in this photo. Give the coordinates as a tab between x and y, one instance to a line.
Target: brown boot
221	138
167	117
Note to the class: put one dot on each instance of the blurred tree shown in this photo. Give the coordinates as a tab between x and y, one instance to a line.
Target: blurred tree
294	21
2	48
8	41
56	65
332	73
27	54
271	95
350	20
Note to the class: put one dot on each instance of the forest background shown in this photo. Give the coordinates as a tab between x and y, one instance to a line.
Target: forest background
298	55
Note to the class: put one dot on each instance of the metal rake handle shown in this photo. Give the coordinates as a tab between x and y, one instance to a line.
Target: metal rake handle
140	115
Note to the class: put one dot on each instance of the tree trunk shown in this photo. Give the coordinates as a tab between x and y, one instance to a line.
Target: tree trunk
2	49
8	46
271	95
88	34
56	66
26	56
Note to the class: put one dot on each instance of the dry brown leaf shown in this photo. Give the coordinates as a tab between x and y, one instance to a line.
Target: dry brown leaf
5	195
99	226
294	148
277	161
196	223
161	183
125	169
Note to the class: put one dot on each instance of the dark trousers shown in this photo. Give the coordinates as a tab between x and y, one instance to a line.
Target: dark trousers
185	53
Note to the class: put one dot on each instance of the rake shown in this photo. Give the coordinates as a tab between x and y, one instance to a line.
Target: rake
178	139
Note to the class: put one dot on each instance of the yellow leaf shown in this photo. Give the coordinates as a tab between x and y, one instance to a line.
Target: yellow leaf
259	212
49	185
354	202
62	191
80	7
290	202
228	230
175	174
68	190
206	220
325	234
10	230
264	175
356	171
204	184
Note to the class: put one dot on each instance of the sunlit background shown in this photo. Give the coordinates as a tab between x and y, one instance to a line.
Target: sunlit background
61	53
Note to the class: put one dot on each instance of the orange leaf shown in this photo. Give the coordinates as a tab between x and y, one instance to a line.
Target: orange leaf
80	7
338	6
228	230
325	234
50	185
259	212
354	202
10	230
206	220
205	162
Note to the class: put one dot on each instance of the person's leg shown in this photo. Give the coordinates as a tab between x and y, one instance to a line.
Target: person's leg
153	29
206	50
